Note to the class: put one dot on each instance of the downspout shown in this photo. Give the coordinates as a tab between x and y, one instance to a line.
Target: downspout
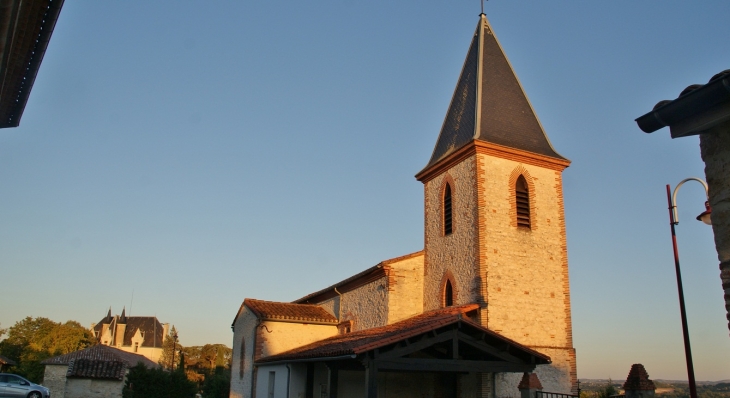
288	380
339	306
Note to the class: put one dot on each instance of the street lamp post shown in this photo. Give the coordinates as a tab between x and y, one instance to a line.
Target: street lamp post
174	346
674	220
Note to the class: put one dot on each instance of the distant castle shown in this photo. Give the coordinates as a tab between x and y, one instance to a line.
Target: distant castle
143	335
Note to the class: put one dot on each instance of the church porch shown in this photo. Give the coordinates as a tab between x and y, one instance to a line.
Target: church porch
442	353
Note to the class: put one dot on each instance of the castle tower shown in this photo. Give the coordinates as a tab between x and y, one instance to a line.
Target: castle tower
494	218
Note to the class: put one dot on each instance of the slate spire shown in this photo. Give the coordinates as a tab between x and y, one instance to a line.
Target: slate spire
108	318
123	317
489	104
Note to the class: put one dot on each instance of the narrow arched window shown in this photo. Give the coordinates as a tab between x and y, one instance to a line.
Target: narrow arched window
242	360
447	210
448	294
522	200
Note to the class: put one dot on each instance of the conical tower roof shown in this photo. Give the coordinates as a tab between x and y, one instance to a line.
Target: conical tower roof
489	104
123	317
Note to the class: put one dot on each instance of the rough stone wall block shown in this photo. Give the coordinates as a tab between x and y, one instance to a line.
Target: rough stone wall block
715	150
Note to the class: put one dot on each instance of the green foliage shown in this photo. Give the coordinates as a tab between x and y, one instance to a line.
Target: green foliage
608	390
157	383
218	384
32	340
170	347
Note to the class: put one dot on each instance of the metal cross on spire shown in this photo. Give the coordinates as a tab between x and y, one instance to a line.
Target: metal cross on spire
482	6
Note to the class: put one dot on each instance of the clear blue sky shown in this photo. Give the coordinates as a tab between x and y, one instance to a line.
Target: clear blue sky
197	153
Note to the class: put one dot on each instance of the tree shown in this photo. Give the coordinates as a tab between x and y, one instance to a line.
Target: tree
32	340
218	384
170	347
142	382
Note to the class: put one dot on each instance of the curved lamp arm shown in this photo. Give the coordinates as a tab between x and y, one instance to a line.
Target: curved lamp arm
674	196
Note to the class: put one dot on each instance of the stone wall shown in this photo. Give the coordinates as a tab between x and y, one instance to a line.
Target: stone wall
274	337
54	378
93	388
715	149
366	306
405	288
243	343
455	253
527	285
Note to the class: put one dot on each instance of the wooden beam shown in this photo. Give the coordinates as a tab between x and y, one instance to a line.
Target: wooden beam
414	347
451	365
478	344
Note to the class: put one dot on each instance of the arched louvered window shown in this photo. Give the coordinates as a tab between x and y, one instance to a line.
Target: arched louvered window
448	294
242	360
447	210
522	200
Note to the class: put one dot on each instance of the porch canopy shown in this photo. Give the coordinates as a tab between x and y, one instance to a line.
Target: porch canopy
444	340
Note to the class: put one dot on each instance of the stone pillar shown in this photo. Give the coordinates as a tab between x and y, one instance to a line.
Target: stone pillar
529	385
637	384
715	149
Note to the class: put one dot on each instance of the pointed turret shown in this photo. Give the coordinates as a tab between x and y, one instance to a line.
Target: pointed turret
123	317
489	104
108	318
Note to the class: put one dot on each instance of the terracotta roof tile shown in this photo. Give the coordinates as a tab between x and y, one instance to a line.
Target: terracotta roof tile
305	313
365	340
96	369
101	353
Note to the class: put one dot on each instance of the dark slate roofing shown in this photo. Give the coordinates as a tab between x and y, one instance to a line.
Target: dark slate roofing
369	339
489	104
101	353
25	30
6	361
693	100
269	310
152	330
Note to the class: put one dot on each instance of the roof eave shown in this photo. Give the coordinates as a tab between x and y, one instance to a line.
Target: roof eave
711	100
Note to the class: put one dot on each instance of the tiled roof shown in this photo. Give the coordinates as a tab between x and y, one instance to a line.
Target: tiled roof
100	353
369	339
6	361
638	379
305	313
96	369
693	100
489	104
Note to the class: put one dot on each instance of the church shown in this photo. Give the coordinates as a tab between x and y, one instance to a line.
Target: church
482	311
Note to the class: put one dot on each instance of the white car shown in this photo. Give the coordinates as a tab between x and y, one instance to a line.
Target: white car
14	386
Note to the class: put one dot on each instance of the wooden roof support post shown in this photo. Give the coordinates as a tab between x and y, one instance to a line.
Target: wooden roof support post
371	380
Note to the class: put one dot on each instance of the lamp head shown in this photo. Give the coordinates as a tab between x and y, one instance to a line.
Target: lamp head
705	216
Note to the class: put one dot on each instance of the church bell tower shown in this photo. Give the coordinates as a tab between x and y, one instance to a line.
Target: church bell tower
494	217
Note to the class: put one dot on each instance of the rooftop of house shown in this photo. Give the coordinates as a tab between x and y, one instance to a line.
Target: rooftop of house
99	362
150	327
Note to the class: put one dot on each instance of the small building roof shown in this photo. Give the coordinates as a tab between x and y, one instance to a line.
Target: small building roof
698	108
362	341
489	104
100	354
638	379
304	313
6	361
